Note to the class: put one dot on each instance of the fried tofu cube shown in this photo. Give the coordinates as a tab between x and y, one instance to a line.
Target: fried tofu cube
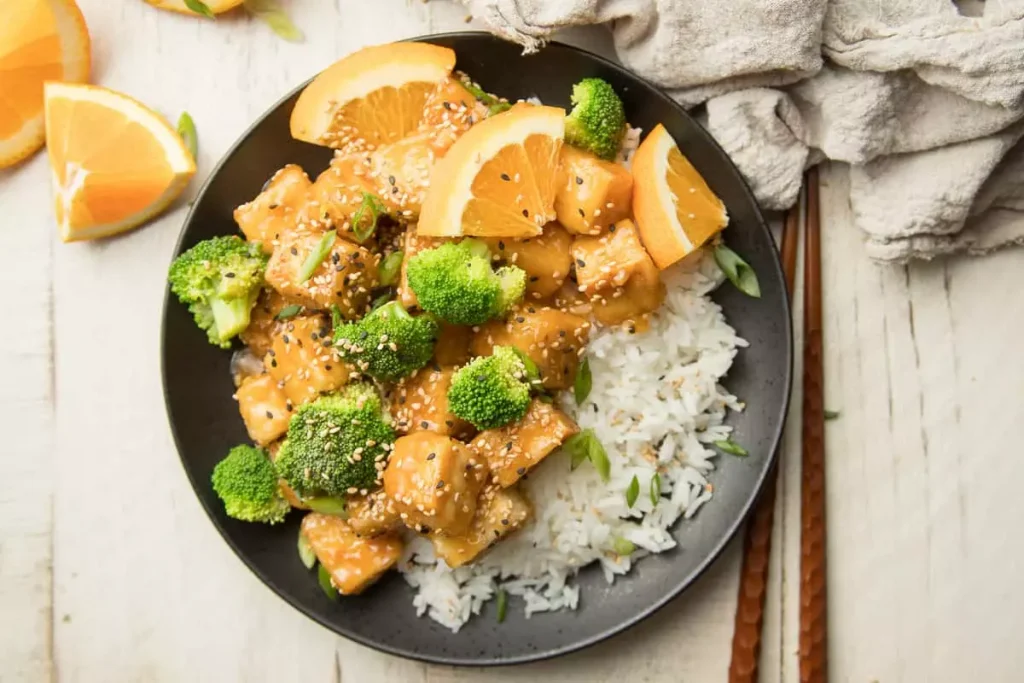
372	514
511	451
499	512
303	361
354	562
434	482
264	408
553	339
633	302
545	258
344	278
606	262
336	195
592	193
449	112
420	403
275	210
263	321
452	346
413	244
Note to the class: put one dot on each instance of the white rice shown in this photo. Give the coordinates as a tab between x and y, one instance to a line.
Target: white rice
656	403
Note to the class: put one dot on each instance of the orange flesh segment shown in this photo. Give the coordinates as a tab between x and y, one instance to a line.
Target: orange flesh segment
698	208
385	115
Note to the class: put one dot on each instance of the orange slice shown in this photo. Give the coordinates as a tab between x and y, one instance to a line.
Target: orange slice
372	97
40	40
499	178
116	163
674	208
216	6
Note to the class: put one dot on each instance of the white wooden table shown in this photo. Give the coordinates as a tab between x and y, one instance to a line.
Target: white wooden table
110	571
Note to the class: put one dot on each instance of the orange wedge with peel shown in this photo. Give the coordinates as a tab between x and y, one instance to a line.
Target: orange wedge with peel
499	179
372	97
675	210
40	40
216	6
116	163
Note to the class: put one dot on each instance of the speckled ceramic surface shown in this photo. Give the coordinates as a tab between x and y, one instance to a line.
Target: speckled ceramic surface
205	420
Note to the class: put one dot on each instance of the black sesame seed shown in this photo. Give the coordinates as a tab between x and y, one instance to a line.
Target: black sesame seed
504	176
611	228
273	362
394	190
425	529
447	105
520	319
501	245
431	456
561	333
285	338
339	268
534	278
508	445
581	263
579	181
582	215
272	353
295	252
391	179
526	213
289	406
273	206
424	424
270	415
504	522
449	423
229	274
521	471
440	484
314	336
327	367
531	309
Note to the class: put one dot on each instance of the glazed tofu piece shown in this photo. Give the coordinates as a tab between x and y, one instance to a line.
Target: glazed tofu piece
434	482
344	278
633	302
354	562
412	245
420	403
372	514
592	193
264	407
336	195
275	210
609	261
511	451
545	258
263	321
452	346
499	513
303	361
449	112
552	338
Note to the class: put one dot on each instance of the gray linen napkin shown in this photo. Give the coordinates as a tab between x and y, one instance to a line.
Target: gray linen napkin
920	98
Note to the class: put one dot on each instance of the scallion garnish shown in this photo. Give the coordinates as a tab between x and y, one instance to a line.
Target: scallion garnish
317	256
831	414
337	319
497	108
532	371
584	381
737	270
364	220
632	491
200	7
585	446
289	311
655	489
381	299
731	447
502	598
390	268
327	505
323	577
273	16
306	553
623	546
187	131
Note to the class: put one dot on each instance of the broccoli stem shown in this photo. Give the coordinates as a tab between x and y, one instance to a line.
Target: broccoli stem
230	317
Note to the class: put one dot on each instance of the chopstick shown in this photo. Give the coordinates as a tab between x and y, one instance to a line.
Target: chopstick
757	546
813	594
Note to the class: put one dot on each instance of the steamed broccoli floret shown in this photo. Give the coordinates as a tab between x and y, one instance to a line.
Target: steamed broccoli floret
491	391
247	483
337	443
597	121
388	343
219	279
455	282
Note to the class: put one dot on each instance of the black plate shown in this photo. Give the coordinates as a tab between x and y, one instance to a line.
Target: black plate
205	420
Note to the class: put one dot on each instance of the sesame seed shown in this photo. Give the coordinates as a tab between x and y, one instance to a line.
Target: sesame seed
504	176
579	181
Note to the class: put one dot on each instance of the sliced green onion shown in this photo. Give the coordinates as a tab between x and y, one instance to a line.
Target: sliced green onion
289	311
390	268
655	489
497	108
584	381
632	491
532	371
323	577
578	449
199	7
585	446
623	546
337	319
317	256
327	505
306	553
273	16
731	447
187	131
502	604
375	208
738	271
381	300
831	414
599	458
478	92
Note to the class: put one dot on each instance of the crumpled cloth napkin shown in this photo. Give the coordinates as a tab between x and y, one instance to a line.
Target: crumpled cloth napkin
923	98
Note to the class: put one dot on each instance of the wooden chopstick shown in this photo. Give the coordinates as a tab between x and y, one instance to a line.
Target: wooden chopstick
813	594
757	546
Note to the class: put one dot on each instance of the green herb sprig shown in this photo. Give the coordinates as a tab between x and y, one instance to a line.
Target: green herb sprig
738	271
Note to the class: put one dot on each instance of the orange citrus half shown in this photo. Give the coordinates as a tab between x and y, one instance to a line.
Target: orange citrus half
372	97
675	210
499	178
116	163
40	40
216	6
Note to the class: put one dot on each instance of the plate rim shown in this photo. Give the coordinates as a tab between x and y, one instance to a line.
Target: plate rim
768	468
